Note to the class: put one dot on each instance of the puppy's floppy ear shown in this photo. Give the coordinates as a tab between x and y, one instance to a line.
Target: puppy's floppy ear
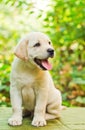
21	49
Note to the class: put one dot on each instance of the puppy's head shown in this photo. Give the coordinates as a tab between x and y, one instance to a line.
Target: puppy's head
35	47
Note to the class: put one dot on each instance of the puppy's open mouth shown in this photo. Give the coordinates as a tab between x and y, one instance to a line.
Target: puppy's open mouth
43	63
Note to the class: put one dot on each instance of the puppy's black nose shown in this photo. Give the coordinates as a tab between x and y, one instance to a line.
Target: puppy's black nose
50	51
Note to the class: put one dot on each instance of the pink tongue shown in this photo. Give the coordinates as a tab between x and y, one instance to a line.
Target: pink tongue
46	64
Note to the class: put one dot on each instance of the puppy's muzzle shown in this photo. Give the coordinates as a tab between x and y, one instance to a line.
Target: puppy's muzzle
50	52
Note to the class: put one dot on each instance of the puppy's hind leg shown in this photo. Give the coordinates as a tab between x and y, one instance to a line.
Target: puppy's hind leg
49	116
52	112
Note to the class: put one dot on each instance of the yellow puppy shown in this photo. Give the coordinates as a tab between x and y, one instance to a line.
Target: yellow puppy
31	84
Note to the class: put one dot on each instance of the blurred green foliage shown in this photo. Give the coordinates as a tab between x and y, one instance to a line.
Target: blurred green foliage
64	22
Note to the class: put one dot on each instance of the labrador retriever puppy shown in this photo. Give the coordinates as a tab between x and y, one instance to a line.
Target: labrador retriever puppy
31	84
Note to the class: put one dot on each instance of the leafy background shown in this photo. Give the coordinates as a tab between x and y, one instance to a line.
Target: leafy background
64	22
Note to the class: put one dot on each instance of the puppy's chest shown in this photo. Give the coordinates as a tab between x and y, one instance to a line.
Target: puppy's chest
25	79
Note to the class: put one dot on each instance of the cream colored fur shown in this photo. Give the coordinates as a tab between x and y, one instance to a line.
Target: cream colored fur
32	87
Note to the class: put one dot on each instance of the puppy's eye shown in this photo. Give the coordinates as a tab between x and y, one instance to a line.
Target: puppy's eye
49	43
37	44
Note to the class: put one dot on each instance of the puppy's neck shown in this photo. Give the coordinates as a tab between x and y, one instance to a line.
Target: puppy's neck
27	65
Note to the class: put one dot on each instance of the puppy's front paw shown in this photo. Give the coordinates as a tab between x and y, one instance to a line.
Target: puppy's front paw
15	121
38	121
